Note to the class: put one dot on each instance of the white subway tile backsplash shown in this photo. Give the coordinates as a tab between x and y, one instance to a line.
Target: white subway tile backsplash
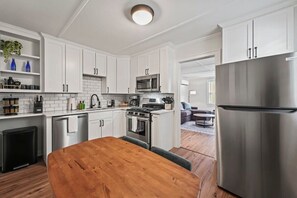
58	102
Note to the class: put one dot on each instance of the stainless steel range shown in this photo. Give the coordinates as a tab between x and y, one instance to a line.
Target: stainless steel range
139	121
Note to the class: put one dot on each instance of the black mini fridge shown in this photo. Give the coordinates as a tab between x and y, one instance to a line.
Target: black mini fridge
18	148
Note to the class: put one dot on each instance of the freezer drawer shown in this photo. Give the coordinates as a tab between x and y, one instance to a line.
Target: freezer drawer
257	152
61	137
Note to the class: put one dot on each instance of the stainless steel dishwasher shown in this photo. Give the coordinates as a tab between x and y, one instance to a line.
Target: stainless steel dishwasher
61	135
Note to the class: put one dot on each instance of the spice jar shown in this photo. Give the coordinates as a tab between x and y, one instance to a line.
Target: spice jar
6	110
5	101
16	101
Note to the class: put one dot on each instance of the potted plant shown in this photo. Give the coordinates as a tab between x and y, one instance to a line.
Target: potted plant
10	47
168	102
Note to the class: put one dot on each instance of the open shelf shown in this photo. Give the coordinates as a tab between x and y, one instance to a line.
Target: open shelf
24	55
19	91
20	72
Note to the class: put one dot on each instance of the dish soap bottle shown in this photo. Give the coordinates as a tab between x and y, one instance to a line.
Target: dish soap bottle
13	65
28	67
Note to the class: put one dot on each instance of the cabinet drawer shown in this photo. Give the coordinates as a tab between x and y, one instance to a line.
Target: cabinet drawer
100	115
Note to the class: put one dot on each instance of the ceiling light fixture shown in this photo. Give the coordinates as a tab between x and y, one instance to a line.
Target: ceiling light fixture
142	14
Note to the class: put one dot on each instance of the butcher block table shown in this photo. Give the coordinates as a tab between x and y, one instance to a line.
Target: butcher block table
111	167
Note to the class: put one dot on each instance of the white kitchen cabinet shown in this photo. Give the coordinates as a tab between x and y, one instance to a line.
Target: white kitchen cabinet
119	123
154	62
237	42
107	127
101	64
149	63
94	129
167	58
54	65
263	36
100	124
73	71
94	64
133	74
109	84
162	133
123	75
89	62
274	33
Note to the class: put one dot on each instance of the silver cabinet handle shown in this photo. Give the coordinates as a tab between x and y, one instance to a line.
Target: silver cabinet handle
148	71
66	87
107	89
94	71
102	122
256	52
128	90
250	53
97	71
63	87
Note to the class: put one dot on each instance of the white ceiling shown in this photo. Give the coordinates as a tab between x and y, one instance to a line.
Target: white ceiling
106	24
202	68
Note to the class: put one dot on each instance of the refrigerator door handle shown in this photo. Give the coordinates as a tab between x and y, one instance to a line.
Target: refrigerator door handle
259	109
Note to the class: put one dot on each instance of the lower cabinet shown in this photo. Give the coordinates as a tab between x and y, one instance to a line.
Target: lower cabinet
119	123
100	125
162	131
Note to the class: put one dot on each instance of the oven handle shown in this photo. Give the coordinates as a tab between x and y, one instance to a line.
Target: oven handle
138	118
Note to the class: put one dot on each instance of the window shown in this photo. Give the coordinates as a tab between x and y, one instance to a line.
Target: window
211	92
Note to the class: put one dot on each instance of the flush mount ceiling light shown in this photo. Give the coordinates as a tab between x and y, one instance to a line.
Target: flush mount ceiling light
142	14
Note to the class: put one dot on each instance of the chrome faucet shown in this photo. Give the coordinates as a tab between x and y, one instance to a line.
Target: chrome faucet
92	105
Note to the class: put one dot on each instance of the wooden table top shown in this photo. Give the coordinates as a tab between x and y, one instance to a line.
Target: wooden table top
111	167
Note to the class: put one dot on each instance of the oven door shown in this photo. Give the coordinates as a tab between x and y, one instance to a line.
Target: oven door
143	129
155	82
143	83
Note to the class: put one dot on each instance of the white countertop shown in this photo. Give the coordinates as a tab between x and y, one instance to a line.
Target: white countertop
59	113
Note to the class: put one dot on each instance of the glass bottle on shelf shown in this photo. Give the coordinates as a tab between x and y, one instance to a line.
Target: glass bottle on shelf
13	65
28	67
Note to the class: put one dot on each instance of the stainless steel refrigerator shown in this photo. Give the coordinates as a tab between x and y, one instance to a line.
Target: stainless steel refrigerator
257	127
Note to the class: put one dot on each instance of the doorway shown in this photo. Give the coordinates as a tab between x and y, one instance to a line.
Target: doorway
197	97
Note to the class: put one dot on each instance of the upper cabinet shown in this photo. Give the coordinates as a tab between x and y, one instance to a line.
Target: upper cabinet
109	84
123	75
94	64
54	66
62	67
133	73
149	63
263	36
73	71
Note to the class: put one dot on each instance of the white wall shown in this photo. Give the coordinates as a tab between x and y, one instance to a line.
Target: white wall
184	93
199	48
200	99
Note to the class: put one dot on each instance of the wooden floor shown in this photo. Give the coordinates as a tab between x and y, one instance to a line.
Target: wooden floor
33	182
199	142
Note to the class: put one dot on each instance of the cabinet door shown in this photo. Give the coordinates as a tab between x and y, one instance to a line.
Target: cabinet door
89	62
237	42
143	64
73	69
154	62
94	129
107	128
119	123
273	33
133	74
54	65
111	77
101	64
123	75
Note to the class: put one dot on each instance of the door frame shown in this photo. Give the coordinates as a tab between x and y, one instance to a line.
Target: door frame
217	55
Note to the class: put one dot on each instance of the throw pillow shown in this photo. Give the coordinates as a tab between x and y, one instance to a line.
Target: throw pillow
187	106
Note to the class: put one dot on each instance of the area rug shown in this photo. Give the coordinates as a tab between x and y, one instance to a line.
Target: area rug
191	126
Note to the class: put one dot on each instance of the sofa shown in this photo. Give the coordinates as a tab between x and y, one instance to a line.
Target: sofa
187	113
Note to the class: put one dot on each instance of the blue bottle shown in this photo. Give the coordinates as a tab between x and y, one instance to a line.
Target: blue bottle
28	67
13	65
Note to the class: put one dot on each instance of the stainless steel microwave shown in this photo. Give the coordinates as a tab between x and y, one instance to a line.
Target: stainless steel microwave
150	83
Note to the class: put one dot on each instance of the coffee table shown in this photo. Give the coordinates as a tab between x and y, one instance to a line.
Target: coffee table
204	122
